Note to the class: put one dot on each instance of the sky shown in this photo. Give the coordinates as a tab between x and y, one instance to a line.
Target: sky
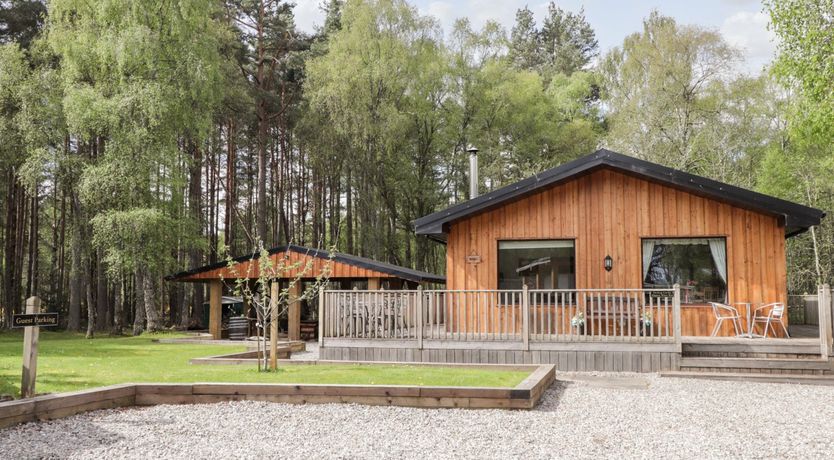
742	22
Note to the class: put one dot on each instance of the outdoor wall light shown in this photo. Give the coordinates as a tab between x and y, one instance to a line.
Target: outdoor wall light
609	263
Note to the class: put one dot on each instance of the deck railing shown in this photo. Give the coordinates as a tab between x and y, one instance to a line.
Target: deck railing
522	315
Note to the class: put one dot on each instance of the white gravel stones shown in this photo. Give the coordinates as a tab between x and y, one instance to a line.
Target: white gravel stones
670	418
311	352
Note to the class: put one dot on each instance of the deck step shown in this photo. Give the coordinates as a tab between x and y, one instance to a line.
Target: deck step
748	347
756	363
762	378
707	345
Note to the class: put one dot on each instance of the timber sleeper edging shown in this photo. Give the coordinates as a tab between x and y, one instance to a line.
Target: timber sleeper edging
525	395
756	363
799	379
244	357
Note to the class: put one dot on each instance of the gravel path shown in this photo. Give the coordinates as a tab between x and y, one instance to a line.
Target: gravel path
311	353
631	417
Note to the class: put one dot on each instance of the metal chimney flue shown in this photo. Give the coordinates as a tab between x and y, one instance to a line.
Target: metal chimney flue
473	172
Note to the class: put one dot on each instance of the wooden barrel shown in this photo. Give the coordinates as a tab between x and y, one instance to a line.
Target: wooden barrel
238	328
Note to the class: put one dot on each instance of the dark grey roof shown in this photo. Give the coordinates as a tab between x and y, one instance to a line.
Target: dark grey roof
797	218
361	262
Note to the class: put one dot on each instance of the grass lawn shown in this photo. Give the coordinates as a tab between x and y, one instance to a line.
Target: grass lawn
68	362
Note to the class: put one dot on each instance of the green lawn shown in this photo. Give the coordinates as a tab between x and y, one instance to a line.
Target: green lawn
69	362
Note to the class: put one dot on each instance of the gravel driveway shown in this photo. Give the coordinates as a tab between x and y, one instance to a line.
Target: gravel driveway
634	416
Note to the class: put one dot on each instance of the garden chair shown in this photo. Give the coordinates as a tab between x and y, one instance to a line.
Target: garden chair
770	314
723	313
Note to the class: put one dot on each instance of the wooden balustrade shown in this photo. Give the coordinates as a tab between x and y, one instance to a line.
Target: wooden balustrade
628	315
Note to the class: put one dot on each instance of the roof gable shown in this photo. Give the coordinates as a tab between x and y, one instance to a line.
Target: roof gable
363	267
796	217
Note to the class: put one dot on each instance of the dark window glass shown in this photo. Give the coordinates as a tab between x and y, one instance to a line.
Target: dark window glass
540	264
698	265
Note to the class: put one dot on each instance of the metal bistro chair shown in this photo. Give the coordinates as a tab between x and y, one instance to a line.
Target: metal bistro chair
776	311
723	313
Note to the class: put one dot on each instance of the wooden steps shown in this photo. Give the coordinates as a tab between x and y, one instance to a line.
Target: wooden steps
751	377
804	365
747	346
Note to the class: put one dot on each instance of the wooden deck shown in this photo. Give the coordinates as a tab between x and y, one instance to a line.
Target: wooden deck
539	326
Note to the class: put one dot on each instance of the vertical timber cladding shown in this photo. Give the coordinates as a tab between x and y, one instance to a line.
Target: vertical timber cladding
608	361
607	213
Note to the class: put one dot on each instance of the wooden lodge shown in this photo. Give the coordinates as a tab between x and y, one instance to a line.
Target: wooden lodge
344	271
607	262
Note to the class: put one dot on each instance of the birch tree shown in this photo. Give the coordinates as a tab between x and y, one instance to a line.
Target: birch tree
138	76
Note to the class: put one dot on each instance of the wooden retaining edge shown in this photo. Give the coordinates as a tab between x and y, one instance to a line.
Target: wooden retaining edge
48	407
758	363
485	366
245	357
523	396
761	378
296	345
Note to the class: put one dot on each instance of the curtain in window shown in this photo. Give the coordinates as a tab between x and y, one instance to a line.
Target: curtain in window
719	256
648	251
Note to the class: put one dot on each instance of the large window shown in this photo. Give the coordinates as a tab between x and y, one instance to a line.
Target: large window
540	264
698	265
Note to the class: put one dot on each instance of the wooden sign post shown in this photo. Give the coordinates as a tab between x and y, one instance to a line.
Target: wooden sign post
30	350
32	321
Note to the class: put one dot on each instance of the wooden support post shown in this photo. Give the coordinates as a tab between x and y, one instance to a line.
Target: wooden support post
419	315
30	351
294	313
676	316
825	321
525	317
215	308
374	284
321	317
275	291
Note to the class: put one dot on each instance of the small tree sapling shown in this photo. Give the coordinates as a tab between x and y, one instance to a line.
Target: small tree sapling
258	286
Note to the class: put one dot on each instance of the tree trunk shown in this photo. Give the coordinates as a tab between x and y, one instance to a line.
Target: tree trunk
198	299
262	166
151	311
32	273
61	286
118	308
20	246
9	250
231	196
195	207
76	273
263	129
139	315
101	293
91	307
348	211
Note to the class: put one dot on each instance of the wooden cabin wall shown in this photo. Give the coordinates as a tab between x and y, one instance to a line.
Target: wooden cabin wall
607	213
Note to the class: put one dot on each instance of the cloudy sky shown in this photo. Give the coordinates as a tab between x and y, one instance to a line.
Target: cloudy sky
740	21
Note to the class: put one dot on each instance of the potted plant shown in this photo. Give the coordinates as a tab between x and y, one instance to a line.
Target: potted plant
578	321
646	323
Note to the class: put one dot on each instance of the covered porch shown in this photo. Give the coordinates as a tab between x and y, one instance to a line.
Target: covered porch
343	271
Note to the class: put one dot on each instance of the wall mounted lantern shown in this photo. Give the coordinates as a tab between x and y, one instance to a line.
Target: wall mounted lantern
609	263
